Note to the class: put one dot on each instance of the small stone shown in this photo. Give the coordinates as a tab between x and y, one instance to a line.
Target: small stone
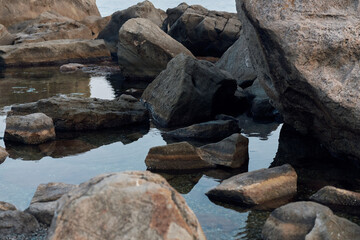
71	67
4	206
3	154
335	196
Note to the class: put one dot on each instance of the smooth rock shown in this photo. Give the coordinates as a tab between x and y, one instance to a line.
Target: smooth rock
4	206
96	24
53	52
212	130
310	221
335	196
133	205
6	38
17	222
188	82
73	113
51	192
43	211
34	128
3	154
231	152
257	187
144	49
71	67
203	32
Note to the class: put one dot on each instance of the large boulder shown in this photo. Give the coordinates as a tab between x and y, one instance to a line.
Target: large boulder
53	52
132	205
335	196
6	38
308	220
15	11
73	113
17	222
188	91
310	65
144	49
143	9
203	32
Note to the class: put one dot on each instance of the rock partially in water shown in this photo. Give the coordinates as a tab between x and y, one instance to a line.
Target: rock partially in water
53	52
78	114
17	222
257	187
6	38
34	129
71	67
4	206
203	32
144	49
105	206
3	154
96	24
308	220
330	195
188	82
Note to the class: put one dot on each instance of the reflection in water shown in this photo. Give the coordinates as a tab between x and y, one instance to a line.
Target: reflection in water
252	230
100	88
255	129
120	84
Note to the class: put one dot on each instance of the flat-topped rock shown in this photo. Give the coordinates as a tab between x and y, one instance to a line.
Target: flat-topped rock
335	196
4	206
73	113
17	222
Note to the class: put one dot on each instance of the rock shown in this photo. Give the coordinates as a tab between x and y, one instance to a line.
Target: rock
71	67
3	154
257	187
143	9
212	130
13	12
17	222
34	128
73	113
6	38
335	196
203	32
309	66
43	212
308	220
144	49
231	152
96	24
53	52
176	156
4	206
105	206
188	82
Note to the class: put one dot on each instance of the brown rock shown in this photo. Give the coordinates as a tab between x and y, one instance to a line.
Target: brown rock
335	196
71	67
3	154
6	38
4	206
96	24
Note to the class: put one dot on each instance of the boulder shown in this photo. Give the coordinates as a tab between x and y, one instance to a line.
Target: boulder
71	67
17	222
335	196
188	82
257	187
73	113
34	128
4	206
96	24
143	9
105	206
212	130
15	11
203	32
3	154
6	38
144	49
308	220
309	65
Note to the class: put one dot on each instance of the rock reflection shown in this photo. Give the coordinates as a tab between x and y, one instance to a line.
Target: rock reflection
255	221
183	183
130	86
255	129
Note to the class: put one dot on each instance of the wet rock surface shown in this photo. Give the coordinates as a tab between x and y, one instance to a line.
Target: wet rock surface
335	196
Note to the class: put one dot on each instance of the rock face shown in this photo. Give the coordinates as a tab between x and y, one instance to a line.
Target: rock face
15	11
144	49
34	128
308	220
72	113
188	82
96	24
309	66
53	52
141	10
4	206
105	206
334	196
257	187
203	32
17	222
3	155
6	38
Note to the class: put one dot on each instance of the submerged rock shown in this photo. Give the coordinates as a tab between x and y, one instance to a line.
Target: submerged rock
34	128
105	206
6	38
144	49
17	222
335	196
4	206
3	154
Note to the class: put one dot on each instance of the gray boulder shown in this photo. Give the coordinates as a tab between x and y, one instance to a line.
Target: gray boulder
335	196
188	91
144	49
6	38
17	222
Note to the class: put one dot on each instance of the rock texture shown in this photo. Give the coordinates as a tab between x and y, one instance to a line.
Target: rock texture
3	154
203	32
72	113
4	206
257	187
96	24
310	65
15	11
6	38
144	49
188	82
335	196
308	220
34	128
17	222
53	52
133	205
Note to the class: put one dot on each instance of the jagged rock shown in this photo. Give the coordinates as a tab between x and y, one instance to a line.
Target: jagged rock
308	220
73	113
3	154
188	82
4	206
257	187
96	24
34	128
203	32
71	67
335	196
105	206
6	38
53	52
144	49
17	222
